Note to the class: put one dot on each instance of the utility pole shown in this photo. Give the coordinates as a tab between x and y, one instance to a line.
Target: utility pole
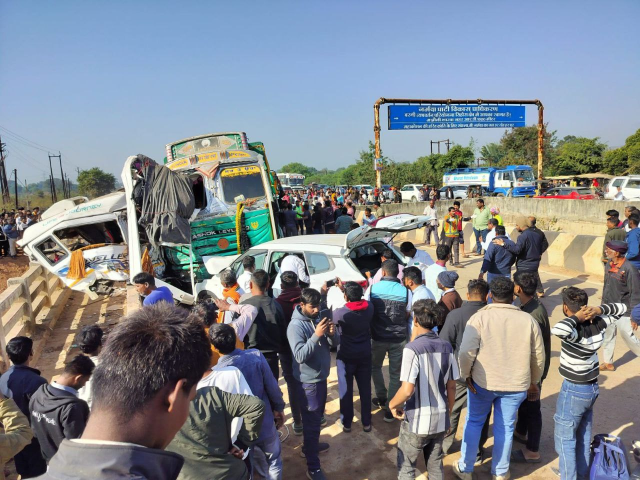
64	189
6	198
54	196
15	177
446	142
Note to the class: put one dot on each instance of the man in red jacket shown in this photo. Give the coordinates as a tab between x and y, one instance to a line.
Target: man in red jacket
288	299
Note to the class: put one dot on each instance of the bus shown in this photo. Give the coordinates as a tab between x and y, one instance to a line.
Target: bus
235	207
291	180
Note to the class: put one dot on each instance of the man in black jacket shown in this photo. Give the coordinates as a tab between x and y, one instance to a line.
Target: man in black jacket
20	382
269	330
452	331
528	249
56	411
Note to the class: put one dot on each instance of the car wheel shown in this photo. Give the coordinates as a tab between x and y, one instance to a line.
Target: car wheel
500	195
458	198
414	199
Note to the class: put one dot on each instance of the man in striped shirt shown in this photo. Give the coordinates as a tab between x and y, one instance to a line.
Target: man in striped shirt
428	375
582	334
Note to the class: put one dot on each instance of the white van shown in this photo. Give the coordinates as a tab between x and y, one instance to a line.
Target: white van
630	187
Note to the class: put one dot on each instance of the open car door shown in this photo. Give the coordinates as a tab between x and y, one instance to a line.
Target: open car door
385	227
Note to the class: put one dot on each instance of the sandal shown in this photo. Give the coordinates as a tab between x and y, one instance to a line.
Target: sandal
518	457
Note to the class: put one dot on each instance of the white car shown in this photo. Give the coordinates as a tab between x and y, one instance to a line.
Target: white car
345	256
630	187
368	188
411	192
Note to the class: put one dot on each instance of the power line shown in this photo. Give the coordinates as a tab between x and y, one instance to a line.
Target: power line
24	139
26	157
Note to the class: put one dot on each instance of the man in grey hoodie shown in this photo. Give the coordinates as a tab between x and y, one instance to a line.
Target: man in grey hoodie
311	335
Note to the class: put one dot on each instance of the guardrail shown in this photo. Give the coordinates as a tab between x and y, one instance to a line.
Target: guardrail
22	302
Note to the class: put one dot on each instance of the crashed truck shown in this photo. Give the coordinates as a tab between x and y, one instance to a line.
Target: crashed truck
214	197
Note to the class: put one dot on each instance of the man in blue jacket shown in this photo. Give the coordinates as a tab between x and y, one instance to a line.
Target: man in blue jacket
311	335
497	260
633	241
263	384
528	249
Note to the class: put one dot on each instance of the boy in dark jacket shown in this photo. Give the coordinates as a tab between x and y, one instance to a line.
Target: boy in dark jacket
20	382
354	354
56	411
311	334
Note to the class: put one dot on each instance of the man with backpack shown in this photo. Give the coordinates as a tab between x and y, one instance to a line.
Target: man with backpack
582	334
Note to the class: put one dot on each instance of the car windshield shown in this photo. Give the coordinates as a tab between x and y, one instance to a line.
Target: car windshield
525	175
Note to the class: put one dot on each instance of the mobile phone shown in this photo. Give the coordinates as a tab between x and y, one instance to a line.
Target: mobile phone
331	283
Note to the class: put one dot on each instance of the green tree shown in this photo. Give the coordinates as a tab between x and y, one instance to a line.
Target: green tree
431	168
521	146
578	155
39	194
625	159
95	182
297	167
492	153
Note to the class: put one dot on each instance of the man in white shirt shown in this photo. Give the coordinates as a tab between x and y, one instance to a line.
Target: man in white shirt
291	263
619	195
491	234
432	226
414	255
413	281
443	253
249	265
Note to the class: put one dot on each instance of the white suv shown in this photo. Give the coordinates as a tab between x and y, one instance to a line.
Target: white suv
345	256
630	187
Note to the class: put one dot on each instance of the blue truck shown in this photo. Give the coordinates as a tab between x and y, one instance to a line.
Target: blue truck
497	180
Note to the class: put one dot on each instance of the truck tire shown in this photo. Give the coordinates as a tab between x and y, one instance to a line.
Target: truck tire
414	199
499	194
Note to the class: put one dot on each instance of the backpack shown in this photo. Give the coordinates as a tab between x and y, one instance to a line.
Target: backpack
608	461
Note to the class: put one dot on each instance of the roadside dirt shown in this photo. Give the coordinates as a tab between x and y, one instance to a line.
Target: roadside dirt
12	267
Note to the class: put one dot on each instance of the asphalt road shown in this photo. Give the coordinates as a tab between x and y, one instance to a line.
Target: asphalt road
359	455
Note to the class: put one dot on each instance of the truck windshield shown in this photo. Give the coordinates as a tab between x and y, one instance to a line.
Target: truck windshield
238	181
523	175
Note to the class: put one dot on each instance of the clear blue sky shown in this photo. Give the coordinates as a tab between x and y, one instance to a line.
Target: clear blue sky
103	80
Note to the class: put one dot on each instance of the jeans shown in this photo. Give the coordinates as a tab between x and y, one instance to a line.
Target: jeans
410	445
272	360
313	397
480	234
378	352
505	408
573	421
286	362
427	234
529	423
454	245
458	405
361	370
268	460
622	325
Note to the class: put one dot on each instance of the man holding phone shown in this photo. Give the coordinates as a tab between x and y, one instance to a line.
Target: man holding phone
311	335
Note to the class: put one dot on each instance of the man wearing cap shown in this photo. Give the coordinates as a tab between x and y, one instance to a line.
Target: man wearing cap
450	299
528	249
614	233
621	285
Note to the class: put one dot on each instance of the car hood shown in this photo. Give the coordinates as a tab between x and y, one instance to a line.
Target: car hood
385	227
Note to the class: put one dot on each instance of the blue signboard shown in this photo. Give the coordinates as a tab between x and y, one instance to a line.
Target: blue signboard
436	116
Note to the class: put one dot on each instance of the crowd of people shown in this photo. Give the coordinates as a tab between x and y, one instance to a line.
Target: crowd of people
194	394
13	224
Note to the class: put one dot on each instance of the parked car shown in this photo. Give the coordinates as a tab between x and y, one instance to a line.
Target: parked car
346	256
368	188
411	192
630	187
569	193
